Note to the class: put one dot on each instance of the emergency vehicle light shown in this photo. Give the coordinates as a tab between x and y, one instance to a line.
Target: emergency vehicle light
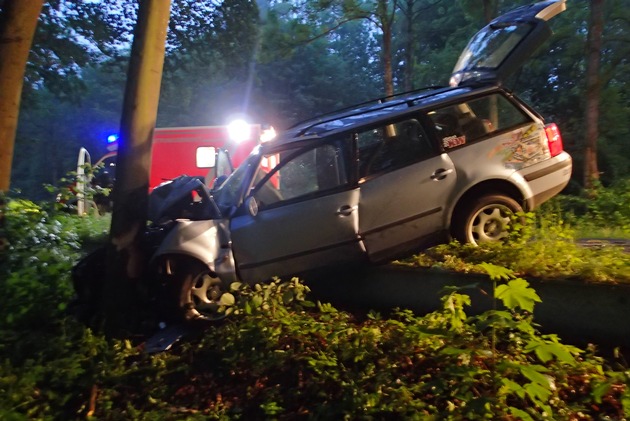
239	131
268	134
112	142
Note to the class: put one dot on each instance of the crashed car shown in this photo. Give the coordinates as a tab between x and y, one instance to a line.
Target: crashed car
371	182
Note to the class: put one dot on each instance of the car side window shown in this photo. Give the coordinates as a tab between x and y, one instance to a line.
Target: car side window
296	174
463	123
392	146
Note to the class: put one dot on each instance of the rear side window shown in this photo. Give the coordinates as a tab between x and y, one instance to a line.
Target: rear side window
466	122
392	146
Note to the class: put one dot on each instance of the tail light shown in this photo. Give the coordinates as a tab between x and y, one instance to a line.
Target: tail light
554	139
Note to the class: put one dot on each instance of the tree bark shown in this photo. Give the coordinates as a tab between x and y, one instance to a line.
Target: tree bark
594	45
17	28
409	43
386	22
139	115
489	10
387	61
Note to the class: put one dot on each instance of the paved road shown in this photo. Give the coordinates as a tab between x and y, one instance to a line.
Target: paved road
603	242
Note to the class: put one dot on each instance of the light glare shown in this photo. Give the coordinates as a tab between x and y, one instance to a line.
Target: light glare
239	130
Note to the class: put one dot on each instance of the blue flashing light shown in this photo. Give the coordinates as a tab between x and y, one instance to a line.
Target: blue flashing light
112	138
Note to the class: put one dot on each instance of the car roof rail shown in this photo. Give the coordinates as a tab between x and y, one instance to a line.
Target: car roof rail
382	100
356	109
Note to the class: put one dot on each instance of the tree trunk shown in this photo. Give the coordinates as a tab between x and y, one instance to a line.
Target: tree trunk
387	61
139	115
409	43
386	21
594	44
17	28
489	10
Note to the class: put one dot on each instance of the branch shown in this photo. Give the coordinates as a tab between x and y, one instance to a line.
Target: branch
332	29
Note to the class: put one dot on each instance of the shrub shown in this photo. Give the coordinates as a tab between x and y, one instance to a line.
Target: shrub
598	212
278	355
544	246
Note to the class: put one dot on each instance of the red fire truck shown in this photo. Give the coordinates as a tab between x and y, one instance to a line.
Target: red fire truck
180	150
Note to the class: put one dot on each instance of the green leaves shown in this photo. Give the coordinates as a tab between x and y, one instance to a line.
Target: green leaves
454	307
279	355
546	351
227	299
517	294
497	273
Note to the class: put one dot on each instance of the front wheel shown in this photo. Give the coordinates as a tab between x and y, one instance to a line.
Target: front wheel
189	290
487	219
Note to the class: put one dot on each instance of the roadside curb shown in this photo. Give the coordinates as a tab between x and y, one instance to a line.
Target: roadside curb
579	312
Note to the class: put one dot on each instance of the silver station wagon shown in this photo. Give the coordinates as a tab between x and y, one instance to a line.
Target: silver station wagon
369	183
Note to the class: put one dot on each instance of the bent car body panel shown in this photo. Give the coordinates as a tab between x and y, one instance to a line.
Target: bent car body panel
206	240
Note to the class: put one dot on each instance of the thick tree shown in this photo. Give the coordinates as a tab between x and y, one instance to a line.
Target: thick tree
134	158
18	20
593	89
412	12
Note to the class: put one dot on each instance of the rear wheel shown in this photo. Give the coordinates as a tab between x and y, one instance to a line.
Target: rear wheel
189	290
487	219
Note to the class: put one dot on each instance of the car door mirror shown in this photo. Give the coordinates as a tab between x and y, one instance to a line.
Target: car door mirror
252	205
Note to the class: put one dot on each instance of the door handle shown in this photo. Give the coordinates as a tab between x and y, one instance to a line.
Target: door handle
346	210
441	174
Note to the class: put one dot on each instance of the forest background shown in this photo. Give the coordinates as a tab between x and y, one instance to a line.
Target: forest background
277	62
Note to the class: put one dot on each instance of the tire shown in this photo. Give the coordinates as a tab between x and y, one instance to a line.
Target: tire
486	219
189	290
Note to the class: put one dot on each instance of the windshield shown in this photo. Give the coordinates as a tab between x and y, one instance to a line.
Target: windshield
228	196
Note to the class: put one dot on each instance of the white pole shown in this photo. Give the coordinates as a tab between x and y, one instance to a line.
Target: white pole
84	156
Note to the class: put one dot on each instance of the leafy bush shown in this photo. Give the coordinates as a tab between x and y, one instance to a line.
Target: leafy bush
97	186
278	355
35	275
598	212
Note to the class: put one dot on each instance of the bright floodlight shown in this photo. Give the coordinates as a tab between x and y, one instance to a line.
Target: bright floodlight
112	138
268	134
239	130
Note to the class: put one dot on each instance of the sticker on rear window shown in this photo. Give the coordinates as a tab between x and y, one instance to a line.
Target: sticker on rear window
450	142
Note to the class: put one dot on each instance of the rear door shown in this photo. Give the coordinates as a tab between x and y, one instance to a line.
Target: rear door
405	183
501	48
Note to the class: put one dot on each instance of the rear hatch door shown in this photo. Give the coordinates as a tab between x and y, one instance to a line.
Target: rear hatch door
501	48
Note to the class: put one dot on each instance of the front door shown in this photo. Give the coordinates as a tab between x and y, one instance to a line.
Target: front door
301	214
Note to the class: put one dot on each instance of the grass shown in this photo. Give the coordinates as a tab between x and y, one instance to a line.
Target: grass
545	246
